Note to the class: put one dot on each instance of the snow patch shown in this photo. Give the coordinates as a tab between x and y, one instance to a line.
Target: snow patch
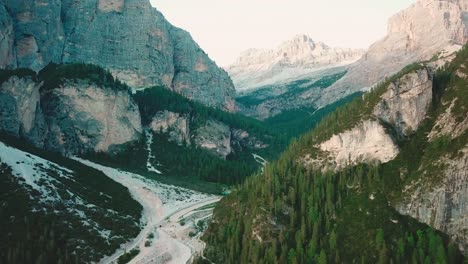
149	141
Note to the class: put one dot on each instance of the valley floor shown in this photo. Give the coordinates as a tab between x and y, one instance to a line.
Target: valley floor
170	215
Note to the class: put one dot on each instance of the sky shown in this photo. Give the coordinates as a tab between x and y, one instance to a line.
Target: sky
225	28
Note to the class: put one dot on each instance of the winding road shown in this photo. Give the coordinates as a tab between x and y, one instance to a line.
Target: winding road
163	205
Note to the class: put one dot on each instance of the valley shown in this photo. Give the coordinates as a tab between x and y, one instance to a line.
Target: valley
122	140
162	237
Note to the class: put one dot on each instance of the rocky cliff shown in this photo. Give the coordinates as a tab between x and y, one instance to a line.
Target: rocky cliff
390	120
402	107
128	37
418	33
83	117
292	60
20	111
76	117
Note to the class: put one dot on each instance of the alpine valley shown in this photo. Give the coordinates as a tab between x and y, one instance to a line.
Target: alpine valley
121	141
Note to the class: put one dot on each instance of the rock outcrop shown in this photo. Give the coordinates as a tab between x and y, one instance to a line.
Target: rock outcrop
20	112
82	117
444	204
75	118
292	60
425	29
176	125
366	143
406	102
128	37
403	106
215	137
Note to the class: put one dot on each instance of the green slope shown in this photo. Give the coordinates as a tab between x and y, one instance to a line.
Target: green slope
290	214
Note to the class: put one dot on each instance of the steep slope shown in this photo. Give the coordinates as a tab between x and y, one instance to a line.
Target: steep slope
54	209
128	37
81	109
426	29
189	142
71	109
273	100
293	59
313	205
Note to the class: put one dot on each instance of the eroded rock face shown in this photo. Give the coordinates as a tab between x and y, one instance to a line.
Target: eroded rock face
414	34
83	117
20	112
444	204
406	102
215	137
366	143
447	125
176	125
128	37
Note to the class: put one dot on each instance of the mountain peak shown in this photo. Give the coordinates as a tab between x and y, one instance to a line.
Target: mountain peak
295	57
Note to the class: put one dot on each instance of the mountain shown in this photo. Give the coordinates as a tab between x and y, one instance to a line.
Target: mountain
382	179
55	209
425	30
128	37
292	60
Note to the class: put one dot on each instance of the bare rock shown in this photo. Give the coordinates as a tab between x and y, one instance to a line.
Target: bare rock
20	112
175	124
83	117
215	137
366	143
418	33
128	37
442	204
406	102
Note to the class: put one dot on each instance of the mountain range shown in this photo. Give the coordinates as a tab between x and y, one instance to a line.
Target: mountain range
122	141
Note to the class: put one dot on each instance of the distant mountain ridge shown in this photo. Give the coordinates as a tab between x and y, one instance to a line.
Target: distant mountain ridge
292	60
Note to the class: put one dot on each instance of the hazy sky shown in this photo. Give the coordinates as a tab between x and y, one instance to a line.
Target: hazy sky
224	28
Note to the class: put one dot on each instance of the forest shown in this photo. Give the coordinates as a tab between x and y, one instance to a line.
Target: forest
297	214
53	234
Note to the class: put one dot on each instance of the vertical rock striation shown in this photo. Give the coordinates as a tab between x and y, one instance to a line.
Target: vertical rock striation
129	37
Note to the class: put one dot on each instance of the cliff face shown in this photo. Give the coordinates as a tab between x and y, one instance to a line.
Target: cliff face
75	118
20	111
128	37
406	102
214	136
83	117
415	34
436	192
366	143
444	204
403	106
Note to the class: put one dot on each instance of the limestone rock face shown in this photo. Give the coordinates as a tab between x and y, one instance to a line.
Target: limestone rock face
447	125
176	125
20	111
366	143
417	33
83	117
7	38
406	102
292	60
215	137
128	37
444	205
